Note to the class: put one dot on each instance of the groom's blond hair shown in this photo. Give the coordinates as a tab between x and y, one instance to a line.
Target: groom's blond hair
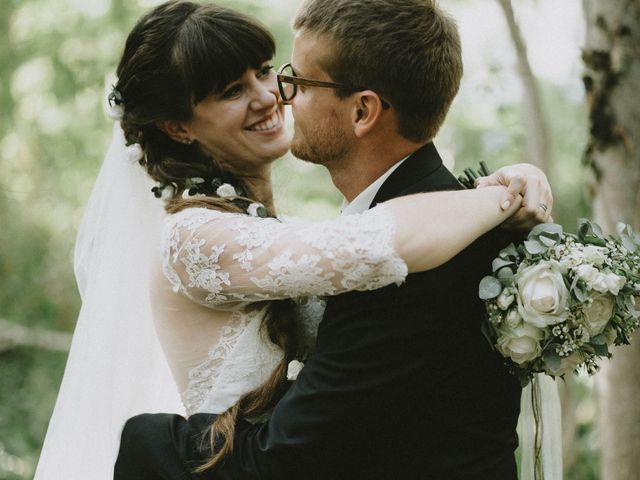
406	50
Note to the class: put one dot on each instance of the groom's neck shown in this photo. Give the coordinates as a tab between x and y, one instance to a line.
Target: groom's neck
366	164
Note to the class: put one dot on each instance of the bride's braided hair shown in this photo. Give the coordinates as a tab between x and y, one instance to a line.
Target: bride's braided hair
176	55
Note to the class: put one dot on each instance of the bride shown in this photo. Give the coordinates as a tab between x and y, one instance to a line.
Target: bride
199	108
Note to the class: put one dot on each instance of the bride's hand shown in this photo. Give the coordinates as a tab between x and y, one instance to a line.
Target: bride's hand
530	182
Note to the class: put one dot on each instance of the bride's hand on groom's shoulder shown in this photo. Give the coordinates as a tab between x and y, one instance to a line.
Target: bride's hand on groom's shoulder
530	182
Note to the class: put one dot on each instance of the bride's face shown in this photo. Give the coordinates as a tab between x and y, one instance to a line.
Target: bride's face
243	125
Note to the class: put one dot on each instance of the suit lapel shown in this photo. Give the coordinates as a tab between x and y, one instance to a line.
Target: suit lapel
421	163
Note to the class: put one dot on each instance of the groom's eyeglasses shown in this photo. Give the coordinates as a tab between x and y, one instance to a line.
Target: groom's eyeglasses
288	83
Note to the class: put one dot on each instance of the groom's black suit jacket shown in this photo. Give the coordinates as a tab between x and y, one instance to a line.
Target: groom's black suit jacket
402	384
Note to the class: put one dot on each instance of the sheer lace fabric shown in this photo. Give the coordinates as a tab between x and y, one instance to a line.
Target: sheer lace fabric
226	260
225	265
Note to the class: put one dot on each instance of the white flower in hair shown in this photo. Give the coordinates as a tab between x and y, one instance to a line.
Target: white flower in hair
167	192
134	152
254	209
186	195
293	369
115	112
226	190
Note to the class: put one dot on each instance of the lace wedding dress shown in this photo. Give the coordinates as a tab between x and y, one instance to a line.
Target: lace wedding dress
218	269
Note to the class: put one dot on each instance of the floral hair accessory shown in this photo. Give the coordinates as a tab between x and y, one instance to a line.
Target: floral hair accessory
134	152
115	110
226	190
293	369
257	210
194	188
187	194
164	192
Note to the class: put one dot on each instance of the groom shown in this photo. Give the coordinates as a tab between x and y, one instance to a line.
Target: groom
402	385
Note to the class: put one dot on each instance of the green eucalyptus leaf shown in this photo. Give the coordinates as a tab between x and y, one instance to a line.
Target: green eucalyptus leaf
599	340
498	263
489	288
506	276
590	233
524	378
548	241
628	243
509	252
551	230
601	349
581	293
534	247
552	359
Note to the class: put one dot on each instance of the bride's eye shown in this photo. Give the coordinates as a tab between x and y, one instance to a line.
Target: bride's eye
232	92
265	71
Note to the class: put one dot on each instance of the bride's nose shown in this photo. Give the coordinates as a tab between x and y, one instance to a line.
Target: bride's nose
265	95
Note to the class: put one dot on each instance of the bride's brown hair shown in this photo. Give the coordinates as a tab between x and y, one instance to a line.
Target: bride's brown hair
176	55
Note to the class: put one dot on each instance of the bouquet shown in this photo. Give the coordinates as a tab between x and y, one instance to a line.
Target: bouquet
557	302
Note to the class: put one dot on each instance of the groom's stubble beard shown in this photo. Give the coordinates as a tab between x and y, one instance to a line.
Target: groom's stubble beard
324	143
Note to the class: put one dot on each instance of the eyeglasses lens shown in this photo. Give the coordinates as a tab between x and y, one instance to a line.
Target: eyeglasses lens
288	90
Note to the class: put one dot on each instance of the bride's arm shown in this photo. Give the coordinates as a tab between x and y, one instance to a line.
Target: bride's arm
449	222
224	259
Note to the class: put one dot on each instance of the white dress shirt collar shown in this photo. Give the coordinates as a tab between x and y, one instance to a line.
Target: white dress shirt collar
364	198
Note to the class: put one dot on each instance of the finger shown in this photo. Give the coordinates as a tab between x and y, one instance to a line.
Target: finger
516	186
534	203
506	200
489	181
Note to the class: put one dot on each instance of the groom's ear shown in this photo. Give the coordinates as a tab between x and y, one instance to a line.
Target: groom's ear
174	130
367	111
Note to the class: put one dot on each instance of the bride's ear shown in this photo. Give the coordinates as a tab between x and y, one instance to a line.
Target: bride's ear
175	130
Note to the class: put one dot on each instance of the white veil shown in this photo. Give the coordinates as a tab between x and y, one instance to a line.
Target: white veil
116	368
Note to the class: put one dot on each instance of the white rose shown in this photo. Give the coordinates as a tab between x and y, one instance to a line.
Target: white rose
115	112
594	255
168	192
186	196
513	318
568	364
505	299
543	296
226	190
614	282
599	283
253	209
597	312
587	272
572	259
134	152
521	344
293	369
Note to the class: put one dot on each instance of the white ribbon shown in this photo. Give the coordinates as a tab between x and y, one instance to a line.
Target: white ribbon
540	400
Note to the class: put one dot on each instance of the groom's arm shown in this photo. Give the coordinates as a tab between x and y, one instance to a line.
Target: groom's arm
344	400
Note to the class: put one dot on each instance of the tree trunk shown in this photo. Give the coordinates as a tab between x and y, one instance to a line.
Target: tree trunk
538	152
612	81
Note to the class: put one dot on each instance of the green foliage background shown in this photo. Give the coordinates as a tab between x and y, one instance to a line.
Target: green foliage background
54	62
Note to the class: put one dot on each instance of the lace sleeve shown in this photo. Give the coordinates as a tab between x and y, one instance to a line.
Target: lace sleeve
224	260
